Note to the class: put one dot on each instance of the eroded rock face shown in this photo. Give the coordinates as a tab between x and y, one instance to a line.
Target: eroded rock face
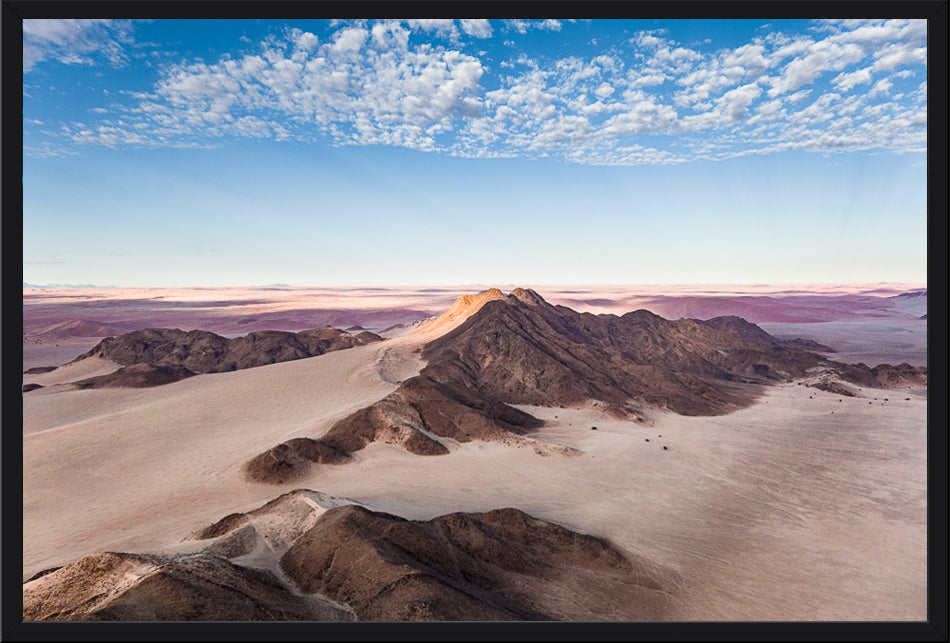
141	587
156	356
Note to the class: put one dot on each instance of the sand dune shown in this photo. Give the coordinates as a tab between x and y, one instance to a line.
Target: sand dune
145	464
91	367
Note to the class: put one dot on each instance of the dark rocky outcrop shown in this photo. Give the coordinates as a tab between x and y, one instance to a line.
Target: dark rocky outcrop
837	388
883	375
162	355
497	565
36	370
137	376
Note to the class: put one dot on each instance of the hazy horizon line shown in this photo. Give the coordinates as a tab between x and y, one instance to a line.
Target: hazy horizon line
829	284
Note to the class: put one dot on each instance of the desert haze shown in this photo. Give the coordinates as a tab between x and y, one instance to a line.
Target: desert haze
475	453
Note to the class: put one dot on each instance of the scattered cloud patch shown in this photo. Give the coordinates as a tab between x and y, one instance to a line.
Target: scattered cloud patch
426	85
524	26
72	42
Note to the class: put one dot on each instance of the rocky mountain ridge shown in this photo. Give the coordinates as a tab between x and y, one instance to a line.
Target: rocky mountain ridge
519	349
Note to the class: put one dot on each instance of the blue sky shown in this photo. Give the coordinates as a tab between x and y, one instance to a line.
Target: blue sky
373	153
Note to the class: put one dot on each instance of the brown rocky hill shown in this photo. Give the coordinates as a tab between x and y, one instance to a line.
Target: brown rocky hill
523	350
171	354
346	562
415	416
497	565
748	330
520	349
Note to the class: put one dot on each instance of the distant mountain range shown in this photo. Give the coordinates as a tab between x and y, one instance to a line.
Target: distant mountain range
29	285
79	328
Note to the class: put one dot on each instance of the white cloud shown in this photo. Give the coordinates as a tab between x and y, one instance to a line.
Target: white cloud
73	59
478	28
74	41
647	80
442	27
562	130
304	40
882	86
642	115
735	102
846	81
799	95
769	111
819	57
390	34
349	40
523	26
896	55
604	90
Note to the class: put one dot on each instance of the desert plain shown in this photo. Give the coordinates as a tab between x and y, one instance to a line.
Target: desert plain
804	505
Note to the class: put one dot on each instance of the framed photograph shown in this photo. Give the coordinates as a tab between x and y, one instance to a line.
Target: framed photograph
595	320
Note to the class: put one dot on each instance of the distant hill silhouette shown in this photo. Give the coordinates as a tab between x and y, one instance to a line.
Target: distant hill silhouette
79	328
155	356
